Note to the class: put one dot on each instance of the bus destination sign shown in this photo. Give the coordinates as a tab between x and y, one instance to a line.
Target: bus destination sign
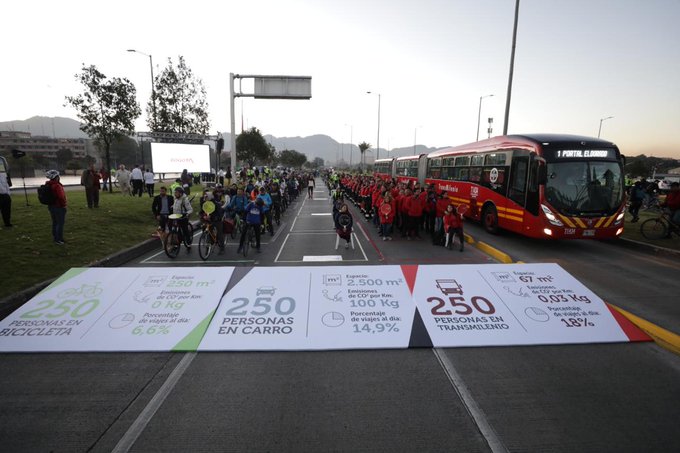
581	153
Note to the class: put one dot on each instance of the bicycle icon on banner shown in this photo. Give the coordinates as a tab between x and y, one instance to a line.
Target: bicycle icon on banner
85	290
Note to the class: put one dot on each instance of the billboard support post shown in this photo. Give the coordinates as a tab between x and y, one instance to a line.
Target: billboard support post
266	87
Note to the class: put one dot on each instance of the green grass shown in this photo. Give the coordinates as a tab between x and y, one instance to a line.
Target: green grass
29	255
632	231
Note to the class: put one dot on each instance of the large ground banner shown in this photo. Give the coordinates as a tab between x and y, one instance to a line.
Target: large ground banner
119	309
306	308
312	308
516	304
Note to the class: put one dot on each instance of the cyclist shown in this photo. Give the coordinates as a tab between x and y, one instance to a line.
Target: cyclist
215	219
673	203
182	206
267	213
275	194
254	213
238	204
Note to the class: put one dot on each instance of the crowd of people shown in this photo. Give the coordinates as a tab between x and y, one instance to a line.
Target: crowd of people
405	210
258	196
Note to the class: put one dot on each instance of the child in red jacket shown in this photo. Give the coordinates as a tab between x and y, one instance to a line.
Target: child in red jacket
453	226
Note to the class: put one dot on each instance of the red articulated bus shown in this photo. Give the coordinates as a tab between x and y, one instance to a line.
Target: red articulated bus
384	168
410	169
537	185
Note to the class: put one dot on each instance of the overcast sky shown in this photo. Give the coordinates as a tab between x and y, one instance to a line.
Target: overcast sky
577	61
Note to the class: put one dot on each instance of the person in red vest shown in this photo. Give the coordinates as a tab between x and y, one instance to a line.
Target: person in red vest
442	203
453	226
415	214
387	211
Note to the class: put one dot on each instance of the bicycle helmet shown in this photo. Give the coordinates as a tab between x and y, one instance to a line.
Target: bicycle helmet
51	174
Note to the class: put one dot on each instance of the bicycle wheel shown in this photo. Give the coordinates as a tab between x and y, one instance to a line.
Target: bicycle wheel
236	229
172	244
654	229
206	243
246	243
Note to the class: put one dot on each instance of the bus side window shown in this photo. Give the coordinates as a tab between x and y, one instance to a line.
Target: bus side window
518	180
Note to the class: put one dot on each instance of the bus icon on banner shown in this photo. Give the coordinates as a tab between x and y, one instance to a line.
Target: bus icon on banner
449	286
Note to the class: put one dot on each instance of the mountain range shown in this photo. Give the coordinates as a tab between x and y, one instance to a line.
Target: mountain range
323	146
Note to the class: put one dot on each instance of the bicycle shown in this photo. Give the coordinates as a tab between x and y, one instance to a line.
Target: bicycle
174	239
250	240
659	227
207	241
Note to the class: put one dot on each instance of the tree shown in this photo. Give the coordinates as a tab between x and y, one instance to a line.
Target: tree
181	104
317	163
363	146
251	147
74	165
292	158
64	155
124	150
107	108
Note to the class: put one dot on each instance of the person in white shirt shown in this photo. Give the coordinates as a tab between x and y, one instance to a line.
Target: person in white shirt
149	182
137	179
5	199
123	176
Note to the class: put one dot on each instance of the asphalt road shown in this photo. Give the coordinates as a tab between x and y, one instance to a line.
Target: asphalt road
602	397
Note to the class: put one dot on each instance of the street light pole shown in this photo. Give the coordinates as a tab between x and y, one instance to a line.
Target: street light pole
479	112
415	134
153	88
512	69
602	119
377	156
351	138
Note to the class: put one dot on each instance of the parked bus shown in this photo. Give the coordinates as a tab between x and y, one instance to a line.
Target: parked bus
384	168
542	185
410	169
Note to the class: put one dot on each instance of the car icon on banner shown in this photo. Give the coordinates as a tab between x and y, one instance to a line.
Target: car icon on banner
266	290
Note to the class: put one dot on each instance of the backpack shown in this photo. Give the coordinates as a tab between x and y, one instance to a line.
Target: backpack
46	195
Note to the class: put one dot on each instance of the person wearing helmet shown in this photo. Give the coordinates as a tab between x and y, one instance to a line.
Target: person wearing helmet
57	208
254	213
182	206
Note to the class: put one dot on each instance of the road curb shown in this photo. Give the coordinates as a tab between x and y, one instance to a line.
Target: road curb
16	300
664	338
646	247
491	251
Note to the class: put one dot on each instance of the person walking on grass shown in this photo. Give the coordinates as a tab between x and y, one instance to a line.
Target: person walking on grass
57	208
137	179
90	180
123	176
149	182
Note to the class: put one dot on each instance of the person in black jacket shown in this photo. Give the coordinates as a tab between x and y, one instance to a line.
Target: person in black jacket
162	208
343	224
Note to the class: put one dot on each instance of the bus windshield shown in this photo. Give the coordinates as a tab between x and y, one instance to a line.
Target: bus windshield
584	188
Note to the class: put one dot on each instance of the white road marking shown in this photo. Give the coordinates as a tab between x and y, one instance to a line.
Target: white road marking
471	405
360	246
321	213
319	199
281	249
143	419
319	258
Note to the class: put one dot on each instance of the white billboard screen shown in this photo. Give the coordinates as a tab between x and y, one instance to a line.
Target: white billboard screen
175	157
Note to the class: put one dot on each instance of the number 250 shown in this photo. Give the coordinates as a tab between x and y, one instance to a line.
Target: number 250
461	307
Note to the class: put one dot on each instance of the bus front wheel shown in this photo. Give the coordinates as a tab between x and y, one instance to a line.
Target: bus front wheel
490	219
